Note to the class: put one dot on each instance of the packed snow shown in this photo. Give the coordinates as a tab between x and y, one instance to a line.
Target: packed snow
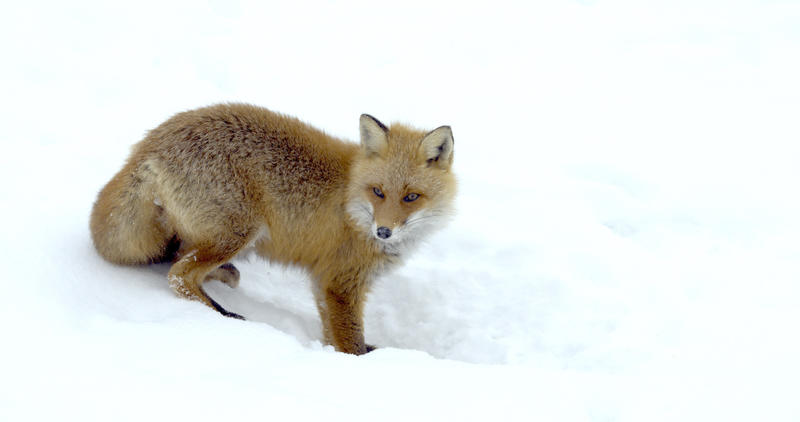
625	247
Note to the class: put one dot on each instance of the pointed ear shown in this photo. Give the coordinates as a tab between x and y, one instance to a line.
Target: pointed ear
437	147
373	135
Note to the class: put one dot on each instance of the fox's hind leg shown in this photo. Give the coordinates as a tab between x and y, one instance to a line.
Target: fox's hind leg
225	273
201	262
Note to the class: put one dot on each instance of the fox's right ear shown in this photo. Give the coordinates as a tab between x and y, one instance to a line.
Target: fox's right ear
437	147
373	135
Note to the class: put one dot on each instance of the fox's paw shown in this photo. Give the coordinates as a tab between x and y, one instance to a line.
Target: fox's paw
225	273
370	347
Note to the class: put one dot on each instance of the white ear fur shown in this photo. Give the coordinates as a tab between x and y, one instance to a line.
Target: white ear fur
373	135
437	146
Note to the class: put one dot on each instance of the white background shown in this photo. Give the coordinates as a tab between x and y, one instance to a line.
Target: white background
625	248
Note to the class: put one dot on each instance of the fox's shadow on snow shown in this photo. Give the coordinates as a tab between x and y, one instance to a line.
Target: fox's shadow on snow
306	329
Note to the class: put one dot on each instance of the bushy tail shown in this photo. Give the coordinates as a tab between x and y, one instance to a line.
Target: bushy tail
127	226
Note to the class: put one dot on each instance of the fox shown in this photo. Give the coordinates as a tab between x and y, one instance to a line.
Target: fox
211	182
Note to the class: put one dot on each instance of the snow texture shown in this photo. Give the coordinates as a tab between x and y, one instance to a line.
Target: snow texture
624	248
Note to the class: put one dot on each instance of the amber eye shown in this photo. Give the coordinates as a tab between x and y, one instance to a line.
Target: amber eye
411	197
377	192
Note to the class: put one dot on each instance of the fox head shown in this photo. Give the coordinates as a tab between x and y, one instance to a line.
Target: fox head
401	185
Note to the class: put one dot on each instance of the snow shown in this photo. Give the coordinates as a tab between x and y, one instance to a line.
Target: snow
624	247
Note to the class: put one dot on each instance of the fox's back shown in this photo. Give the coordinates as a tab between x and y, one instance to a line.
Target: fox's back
245	155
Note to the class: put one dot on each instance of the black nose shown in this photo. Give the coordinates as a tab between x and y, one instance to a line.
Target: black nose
384	232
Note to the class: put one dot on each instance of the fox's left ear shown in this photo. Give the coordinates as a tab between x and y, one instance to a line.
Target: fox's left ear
373	135
437	147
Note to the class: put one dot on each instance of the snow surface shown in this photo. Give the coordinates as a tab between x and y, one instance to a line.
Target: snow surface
625	249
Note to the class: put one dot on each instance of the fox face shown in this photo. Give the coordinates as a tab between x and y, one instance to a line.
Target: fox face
401	187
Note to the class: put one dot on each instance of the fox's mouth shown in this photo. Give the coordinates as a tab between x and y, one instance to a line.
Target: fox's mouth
389	248
387	238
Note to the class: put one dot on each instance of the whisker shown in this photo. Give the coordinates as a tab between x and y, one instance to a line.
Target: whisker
366	210
429	215
424	217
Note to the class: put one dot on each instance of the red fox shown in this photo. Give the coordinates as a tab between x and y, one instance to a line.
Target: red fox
207	183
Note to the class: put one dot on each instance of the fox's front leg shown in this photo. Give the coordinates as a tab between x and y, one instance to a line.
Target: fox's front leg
343	320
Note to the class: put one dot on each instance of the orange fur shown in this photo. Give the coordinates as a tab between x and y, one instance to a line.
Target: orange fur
208	182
